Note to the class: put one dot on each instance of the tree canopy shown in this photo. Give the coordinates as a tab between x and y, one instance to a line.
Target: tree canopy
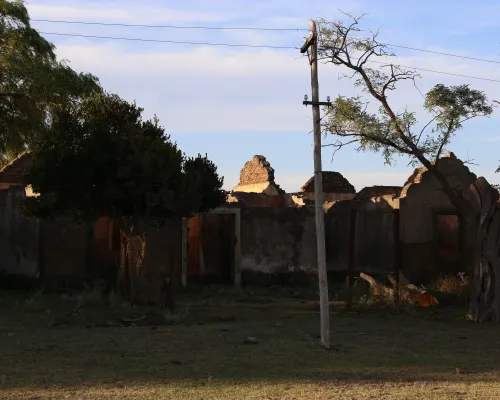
98	157
32	80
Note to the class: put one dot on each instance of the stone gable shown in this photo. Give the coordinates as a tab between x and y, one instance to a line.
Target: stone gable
257	176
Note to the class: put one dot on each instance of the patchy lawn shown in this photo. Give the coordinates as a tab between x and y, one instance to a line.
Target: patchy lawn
58	347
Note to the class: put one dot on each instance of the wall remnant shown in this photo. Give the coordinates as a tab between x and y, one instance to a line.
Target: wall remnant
245	200
335	187
422	201
257	176
277	243
370	192
19	237
12	175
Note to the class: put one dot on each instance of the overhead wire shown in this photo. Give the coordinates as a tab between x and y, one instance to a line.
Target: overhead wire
251	46
439	72
169	41
252	29
443	53
239	28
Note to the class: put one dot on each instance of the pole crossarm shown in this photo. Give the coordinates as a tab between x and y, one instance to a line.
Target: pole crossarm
317	103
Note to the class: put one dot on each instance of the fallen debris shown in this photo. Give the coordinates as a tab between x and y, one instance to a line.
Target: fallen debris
407	292
132	321
425	299
250	340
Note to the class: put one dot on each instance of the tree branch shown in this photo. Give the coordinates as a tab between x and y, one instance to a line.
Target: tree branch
446	137
339	144
425	127
383	141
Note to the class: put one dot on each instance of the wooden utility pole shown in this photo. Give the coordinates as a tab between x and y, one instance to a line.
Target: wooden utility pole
312	44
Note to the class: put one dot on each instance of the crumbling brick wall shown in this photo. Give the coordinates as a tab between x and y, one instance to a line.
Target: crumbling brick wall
257	170
257	176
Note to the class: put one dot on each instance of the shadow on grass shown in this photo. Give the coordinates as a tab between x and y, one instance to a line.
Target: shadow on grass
208	346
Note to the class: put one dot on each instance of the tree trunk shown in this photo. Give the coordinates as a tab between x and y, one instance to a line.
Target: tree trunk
485	289
173	279
132	260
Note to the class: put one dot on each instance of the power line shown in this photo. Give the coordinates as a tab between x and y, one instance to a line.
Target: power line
169	41
253	29
170	26
443	54
440	72
251	46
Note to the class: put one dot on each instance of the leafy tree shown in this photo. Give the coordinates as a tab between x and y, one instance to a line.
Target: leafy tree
99	158
391	132
32	80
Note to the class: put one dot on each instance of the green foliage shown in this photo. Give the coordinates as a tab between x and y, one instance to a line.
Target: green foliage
451	107
453	104
32	81
381	132
387	130
98	157
349	118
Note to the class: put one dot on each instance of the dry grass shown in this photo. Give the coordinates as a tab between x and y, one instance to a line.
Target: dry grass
375	355
458	285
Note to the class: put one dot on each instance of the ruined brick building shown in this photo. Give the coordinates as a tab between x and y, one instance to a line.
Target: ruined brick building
262	232
429	233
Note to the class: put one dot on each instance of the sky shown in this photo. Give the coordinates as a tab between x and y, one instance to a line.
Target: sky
234	102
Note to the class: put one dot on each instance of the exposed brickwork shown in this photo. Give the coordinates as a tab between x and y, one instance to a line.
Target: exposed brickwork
13	173
333	182
416	176
370	192
256	200
257	170
257	176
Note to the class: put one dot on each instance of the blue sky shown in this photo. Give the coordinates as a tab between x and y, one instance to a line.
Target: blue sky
232	103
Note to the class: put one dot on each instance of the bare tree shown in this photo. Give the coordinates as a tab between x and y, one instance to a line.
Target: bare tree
393	132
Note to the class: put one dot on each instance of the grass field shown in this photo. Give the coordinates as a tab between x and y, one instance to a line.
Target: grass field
56	347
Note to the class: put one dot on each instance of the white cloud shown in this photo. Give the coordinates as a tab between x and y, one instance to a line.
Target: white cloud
202	89
230	90
289	13
169	58
121	12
